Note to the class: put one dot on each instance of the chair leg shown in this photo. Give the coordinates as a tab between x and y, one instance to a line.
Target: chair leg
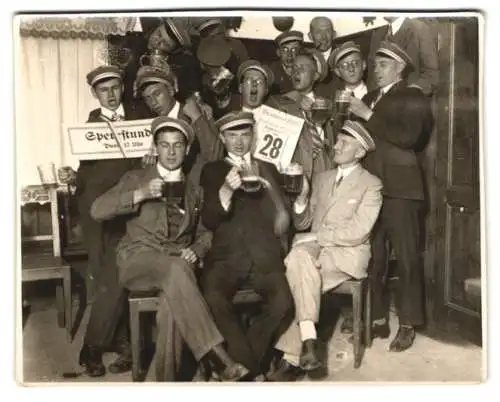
357	292
368	314
68	303
135	340
60	305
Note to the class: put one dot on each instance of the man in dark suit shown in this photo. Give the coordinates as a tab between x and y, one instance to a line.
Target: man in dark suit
246	211
93	178
314	150
416	38
397	116
163	242
289	44
158	90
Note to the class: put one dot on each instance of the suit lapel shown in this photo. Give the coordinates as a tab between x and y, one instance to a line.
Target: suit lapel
336	193
189	206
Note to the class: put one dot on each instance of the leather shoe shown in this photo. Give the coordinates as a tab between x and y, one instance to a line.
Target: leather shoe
234	372
403	340
381	331
285	372
122	364
91	359
308	358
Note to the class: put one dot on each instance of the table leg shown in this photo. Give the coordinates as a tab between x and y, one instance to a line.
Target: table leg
68	302
60	305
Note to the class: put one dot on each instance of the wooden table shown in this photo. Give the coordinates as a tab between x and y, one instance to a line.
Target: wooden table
40	267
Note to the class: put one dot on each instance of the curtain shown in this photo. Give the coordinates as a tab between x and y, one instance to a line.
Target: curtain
51	90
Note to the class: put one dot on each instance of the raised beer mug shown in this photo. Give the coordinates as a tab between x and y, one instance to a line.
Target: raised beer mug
293	178
173	192
156	58
250	180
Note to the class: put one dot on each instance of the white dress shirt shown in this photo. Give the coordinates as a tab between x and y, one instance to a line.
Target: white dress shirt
359	91
326	54
169	175
174	112
341	172
382	92
110	113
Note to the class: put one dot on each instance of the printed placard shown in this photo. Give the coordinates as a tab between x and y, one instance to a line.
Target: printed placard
276	136
128	139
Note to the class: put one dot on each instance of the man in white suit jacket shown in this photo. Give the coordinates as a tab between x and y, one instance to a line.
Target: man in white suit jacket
344	205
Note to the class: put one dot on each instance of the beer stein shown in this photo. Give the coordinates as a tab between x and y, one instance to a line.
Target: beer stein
250	180
292	178
173	192
342	102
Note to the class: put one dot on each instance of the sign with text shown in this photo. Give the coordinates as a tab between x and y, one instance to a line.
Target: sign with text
128	139
276	135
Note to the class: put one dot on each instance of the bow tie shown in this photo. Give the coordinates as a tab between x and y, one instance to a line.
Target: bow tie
117	117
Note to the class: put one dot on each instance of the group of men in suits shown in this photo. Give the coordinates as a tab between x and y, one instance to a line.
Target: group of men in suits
361	185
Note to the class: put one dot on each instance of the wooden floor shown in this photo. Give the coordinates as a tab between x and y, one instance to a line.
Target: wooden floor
47	354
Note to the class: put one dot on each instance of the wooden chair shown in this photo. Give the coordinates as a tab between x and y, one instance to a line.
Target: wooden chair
360	290
40	264
39	267
147	301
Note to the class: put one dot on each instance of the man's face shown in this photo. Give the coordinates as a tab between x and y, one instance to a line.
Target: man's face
387	70
288	52
390	20
304	73
238	141
109	93
159	39
347	150
159	98
172	149
253	88
322	34
351	68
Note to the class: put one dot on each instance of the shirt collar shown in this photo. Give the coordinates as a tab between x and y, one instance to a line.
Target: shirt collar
344	172
169	175
109	113
326	54
386	89
396	24
174	112
239	160
359	91
250	110
310	95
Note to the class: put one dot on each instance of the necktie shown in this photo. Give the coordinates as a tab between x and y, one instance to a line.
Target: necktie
375	101
116	117
339	180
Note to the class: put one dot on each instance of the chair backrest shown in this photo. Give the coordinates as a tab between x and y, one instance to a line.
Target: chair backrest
41	195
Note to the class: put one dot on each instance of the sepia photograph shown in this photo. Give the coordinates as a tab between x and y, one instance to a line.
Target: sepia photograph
261	196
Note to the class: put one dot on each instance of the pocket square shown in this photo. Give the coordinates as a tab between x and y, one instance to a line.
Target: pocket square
352	201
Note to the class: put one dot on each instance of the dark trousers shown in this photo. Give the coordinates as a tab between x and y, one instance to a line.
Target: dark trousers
399	222
183	315
249	346
108	322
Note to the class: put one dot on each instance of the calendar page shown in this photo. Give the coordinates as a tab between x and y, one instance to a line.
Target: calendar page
276	136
